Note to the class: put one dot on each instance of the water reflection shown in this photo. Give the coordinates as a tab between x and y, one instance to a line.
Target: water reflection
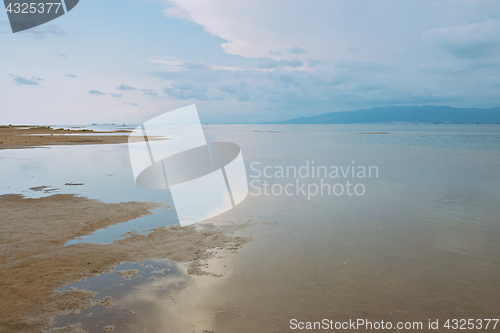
160	297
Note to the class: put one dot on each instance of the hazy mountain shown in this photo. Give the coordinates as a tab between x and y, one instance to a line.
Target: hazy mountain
396	114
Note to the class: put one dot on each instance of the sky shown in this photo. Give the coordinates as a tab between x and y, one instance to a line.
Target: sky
126	61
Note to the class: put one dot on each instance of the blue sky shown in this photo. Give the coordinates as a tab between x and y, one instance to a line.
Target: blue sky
248	61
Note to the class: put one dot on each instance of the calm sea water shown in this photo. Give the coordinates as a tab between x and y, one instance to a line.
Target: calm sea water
421	242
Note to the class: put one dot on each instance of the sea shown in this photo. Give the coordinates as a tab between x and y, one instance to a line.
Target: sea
359	223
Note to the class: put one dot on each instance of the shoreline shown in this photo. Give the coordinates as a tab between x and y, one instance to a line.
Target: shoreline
35	263
24	137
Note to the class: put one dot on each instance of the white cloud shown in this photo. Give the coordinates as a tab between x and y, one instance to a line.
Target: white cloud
270	63
332	29
186	89
252	28
175	65
469	41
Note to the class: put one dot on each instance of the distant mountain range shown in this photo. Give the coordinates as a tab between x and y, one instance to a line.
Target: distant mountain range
403	114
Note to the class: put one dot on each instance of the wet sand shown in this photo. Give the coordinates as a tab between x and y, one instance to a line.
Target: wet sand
34	262
32	136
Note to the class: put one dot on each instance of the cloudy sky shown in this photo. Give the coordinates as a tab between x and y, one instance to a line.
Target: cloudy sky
248	61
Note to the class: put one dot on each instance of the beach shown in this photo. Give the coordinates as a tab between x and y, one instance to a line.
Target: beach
85	250
35	263
20	137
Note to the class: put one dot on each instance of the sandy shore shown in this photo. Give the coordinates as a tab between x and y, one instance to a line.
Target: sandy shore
34	263
33	136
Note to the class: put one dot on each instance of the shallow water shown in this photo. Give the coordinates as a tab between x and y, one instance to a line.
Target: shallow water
421	243
102	172
165	277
